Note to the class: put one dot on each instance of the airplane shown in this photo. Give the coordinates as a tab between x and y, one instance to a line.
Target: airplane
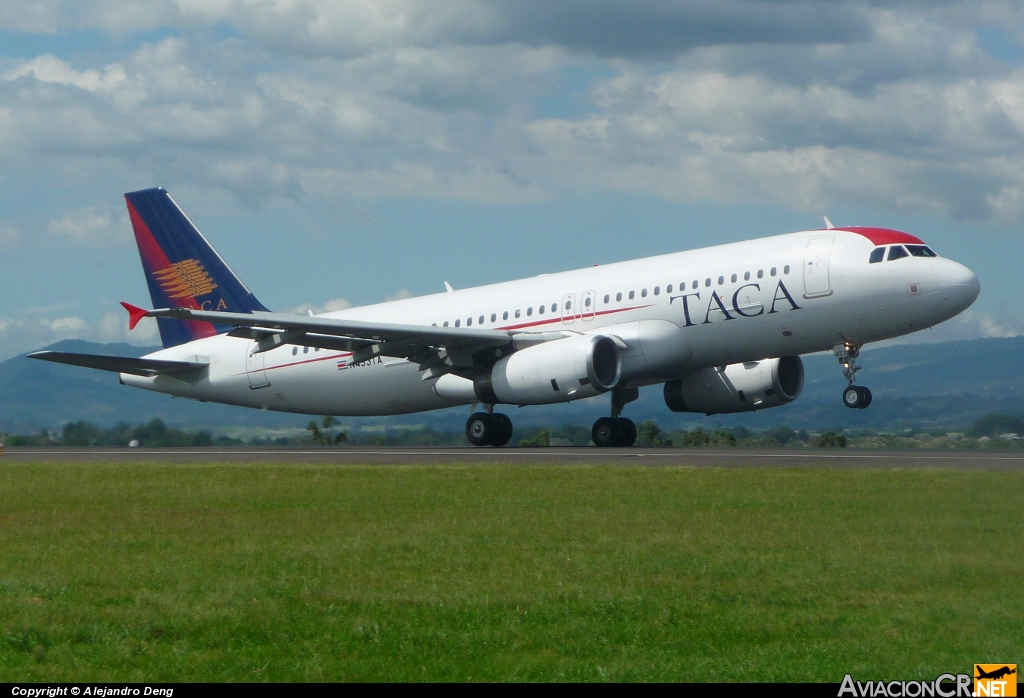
720	328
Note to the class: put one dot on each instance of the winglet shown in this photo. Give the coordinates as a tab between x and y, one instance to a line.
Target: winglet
449	287
828	223
135	313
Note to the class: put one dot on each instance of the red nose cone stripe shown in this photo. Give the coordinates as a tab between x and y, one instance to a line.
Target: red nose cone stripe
883	236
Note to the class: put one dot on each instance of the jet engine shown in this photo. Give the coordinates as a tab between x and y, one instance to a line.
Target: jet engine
745	387
557	371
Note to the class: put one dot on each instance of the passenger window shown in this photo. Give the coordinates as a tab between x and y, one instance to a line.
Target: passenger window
733	279
657	290
517	312
668	289
529	311
643	294
695	284
746	276
721	280
504	315
541	309
618	296
295	350
586	301
469	322
631	295
305	350
481	319
760	273
494	316
433	324
554	306
457	322
785	269
877	255
773	271
921	251
897	252
707	281
606	299
446	323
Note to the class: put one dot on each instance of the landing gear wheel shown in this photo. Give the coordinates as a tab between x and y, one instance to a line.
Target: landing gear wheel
607	432
504	433
856	397
628	432
481	429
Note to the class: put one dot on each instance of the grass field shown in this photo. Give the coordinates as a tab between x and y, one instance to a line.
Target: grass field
136	572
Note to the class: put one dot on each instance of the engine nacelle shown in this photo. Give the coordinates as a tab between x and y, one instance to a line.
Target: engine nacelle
744	387
559	371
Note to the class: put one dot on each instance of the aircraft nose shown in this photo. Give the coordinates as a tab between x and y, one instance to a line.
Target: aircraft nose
958	284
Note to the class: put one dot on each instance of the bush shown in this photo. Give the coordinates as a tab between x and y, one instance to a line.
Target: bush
830	439
995	424
650	434
542	439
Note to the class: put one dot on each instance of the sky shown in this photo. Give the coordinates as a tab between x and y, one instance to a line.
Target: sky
345	152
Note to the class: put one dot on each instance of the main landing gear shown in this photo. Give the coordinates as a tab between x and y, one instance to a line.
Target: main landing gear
488	429
615	430
854	396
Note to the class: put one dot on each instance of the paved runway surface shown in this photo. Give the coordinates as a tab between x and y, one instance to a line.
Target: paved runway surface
723	457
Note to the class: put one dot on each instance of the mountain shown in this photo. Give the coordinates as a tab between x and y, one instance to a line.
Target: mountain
943	385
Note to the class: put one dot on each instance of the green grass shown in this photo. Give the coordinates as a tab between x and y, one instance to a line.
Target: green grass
283	572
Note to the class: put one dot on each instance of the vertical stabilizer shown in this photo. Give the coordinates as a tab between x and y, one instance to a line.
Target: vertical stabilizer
182	268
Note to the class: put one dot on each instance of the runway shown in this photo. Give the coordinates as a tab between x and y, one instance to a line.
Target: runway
719	457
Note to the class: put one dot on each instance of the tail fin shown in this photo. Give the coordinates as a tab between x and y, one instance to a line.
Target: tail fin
182	268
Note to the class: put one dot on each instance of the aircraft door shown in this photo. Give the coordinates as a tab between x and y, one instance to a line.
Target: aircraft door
816	260
588	309
254	368
568	308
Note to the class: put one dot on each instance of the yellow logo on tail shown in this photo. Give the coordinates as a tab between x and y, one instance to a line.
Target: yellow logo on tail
185	279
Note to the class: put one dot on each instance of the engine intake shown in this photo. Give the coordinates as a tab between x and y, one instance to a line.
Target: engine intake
565	369
754	385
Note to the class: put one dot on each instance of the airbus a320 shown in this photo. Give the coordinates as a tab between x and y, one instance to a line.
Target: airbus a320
721	328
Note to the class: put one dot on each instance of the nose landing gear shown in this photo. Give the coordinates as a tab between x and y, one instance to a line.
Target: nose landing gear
615	430
854	396
488	429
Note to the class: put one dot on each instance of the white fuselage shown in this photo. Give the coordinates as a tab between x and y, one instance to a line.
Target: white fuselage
771	297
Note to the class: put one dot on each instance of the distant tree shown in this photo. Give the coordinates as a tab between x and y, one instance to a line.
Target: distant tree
830	439
697	437
323	436
741	432
996	424
650	434
722	437
781	433
542	439
81	434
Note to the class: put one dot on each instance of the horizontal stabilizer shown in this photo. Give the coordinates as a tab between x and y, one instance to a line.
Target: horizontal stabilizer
122	364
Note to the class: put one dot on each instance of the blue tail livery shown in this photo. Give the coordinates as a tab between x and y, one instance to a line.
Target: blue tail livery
182	268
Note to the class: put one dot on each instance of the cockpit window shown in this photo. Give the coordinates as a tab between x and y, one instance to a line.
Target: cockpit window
897	252
877	255
921	251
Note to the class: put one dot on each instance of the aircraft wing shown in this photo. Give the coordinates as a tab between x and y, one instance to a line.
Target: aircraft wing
437	350
121	364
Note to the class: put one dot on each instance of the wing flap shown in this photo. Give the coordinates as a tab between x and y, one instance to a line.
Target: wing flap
122	364
369	332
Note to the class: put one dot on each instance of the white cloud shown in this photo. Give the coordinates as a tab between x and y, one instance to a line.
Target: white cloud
328	307
901	109
400	294
95	225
